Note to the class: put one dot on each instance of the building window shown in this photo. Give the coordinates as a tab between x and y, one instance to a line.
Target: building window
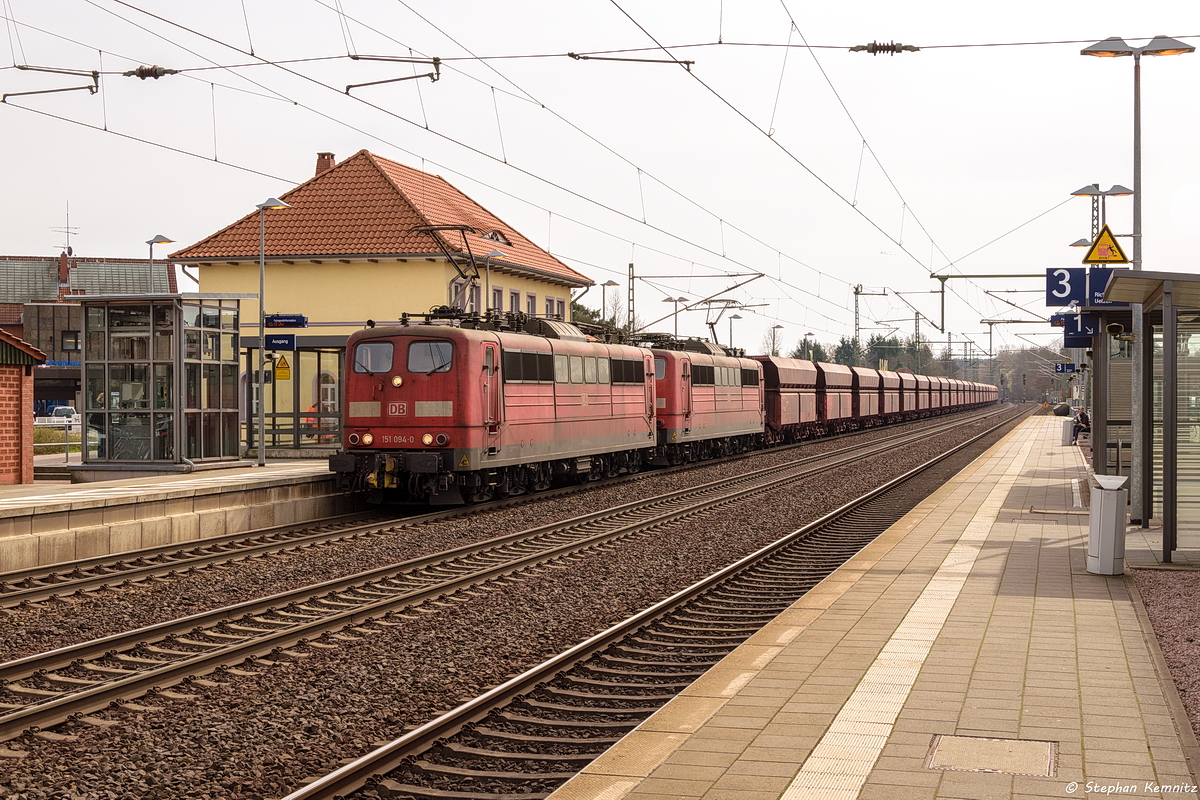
560	307
474	304
497	236
497	298
70	341
514	302
549	306
531	304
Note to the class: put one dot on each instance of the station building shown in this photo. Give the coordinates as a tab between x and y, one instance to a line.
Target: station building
364	239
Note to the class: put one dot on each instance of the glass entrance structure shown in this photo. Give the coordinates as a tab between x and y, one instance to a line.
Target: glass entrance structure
160	376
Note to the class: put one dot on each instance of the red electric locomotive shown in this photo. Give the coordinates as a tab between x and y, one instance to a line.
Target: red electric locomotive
708	403
449	414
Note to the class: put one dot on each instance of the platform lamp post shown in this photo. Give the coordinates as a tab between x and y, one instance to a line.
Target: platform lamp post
774	339
1115	47
604	299
732	317
675	314
487	277
159	239
808	345
1099	204
261	394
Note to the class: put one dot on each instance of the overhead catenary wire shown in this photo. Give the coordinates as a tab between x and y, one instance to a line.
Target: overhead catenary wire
722	222
560	187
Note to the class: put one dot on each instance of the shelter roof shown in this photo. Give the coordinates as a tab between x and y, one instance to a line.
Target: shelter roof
1139	286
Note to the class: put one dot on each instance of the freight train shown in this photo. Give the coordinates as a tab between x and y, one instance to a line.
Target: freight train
450	409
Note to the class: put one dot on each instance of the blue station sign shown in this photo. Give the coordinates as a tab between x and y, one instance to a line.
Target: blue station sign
286	321
281	341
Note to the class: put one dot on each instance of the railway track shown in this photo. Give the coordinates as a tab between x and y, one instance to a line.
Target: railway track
43	690
77	579
528	736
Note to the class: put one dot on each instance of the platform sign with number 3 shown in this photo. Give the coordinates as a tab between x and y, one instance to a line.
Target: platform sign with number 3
1066	285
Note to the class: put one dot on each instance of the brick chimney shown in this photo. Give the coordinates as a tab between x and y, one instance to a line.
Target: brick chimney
324	163
64	268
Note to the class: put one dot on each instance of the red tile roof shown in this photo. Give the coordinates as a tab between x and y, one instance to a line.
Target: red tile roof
368	206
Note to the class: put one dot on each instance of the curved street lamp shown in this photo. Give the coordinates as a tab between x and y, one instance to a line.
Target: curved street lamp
732	317
159	239
1116	47
604	298
675	313
270	202
487	279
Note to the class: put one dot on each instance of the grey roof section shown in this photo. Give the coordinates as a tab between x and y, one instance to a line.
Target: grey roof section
32	280
119	277
28	281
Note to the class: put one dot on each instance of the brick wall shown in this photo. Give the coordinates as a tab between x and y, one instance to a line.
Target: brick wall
16	424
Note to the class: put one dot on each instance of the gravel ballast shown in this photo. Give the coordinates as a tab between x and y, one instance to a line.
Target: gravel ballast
256	737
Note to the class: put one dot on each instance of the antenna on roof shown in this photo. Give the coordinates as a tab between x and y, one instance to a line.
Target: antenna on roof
68	230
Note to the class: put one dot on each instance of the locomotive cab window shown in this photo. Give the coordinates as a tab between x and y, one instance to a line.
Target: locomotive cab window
660	369
373	357
426	358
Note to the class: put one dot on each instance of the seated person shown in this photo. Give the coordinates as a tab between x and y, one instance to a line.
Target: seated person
1082	423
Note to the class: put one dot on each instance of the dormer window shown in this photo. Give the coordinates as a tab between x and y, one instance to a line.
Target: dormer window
498	237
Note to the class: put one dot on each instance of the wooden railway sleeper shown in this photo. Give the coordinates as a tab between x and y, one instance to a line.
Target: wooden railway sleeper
677	685
437	770
482	730
599	711
541	722
608	697
453	750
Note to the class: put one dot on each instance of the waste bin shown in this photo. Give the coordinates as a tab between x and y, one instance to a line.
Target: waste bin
1068	427
1106	534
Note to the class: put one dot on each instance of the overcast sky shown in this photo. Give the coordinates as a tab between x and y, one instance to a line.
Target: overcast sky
821	168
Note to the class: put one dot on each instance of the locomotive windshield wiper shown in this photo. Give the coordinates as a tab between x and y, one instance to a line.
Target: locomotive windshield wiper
439	368
365	367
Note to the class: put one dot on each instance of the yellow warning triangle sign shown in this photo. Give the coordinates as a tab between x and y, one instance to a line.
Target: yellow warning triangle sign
1105	250
283	370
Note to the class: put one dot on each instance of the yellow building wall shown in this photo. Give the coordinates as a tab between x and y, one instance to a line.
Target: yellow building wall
348	294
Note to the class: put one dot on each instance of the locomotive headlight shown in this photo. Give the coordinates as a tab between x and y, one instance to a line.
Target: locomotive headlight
367	438
397	381
354	438
427	439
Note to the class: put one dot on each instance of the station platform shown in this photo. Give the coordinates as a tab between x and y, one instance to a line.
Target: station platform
965	653
51	522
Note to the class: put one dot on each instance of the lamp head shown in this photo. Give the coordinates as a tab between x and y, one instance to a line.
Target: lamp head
160	239
272	202
610	282
1112	47
1086	191
735	316
1118	190
1081	243
496	254
1166	46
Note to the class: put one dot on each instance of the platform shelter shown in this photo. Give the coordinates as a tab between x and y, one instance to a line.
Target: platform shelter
161	378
